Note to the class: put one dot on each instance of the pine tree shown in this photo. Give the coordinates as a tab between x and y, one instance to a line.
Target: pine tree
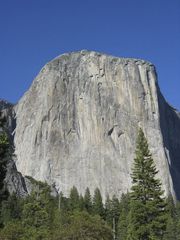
108	211
38	208
115	209
112	213
171	228
88	201
123	218
11	208
177	220
81	203
147	208
98	207
74	199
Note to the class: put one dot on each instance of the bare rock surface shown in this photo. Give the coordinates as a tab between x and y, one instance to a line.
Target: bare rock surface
78	122
15	181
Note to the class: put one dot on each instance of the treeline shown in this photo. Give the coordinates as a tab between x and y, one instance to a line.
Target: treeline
42	216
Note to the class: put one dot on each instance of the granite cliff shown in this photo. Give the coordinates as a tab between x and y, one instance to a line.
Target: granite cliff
14	179
78	122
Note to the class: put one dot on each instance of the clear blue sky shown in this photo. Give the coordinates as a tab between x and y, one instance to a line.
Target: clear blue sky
35	31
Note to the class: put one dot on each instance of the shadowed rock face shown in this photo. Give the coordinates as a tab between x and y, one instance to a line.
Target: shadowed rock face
78	122
170	127
14	180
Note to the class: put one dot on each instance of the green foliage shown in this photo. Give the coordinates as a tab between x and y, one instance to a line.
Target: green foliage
13	230
115	208
4	144
147	207
83	226
62	202
81	203
108	211
112	212
74	199
172	229
39	217
11	209
88	201
34	215
97	206
37	208
123	223
32	233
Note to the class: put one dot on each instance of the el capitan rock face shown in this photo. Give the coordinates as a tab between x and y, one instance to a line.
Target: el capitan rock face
78	122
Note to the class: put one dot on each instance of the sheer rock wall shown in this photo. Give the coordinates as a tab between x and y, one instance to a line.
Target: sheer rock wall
78	122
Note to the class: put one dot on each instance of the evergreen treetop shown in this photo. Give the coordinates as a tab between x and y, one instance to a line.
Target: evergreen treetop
146	186
87	201
98	207
147	208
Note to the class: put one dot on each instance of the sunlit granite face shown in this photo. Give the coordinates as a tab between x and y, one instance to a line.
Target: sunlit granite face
78	122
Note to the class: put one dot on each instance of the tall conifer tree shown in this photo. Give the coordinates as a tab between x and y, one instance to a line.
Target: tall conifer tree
74	199
98	207
87	200
123	218
147	218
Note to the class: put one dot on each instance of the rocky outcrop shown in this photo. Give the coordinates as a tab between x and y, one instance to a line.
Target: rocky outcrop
78	122
7	116
14	180
15	183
